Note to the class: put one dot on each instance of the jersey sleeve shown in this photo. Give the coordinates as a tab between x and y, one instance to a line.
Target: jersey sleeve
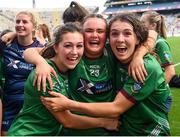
58	86
46	93
60	83
164	53
135	91
2	46
34	91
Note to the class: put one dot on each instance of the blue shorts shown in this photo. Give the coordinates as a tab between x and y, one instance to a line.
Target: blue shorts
168	103
12	104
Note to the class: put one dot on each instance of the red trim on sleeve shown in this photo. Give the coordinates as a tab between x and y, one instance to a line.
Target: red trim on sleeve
167	64
126	95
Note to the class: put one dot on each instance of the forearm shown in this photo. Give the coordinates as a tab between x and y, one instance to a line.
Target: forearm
169	73
107	109
70	120
8	37
151	40
101	109
147	46
141	52
31	55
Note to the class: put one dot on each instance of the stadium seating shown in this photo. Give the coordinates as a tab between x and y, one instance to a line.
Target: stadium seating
51	17
170	9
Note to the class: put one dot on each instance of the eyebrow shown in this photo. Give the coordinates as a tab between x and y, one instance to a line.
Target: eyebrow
123	30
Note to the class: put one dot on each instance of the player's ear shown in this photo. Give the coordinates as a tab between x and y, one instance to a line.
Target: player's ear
153	26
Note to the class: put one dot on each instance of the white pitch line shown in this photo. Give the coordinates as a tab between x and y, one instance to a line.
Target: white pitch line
177	64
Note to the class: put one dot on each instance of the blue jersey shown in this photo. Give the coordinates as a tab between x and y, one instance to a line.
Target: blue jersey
16	71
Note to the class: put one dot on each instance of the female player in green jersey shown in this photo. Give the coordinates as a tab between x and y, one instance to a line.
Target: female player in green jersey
143	108
155	21
92	79
34	118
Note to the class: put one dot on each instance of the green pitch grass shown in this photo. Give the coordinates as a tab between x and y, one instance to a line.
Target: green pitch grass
174	115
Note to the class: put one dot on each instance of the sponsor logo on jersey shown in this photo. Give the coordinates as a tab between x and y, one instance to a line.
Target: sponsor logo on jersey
136	87
90	88
85	86
13	63
17	64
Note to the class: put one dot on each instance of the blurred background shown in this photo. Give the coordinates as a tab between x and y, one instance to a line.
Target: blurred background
50	12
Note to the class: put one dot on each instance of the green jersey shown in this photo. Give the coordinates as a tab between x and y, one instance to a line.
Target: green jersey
149	115
163	51
34	119
92	81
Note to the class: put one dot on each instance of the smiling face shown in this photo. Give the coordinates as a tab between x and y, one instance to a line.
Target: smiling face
94	37
69	51
24	25
123	40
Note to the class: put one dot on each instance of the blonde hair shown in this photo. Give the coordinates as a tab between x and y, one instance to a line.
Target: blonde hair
154	17
33	19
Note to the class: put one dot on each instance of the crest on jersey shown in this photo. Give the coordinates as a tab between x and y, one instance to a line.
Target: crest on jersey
136	87
166	55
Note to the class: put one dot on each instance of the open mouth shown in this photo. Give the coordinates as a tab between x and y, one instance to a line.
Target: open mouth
20	30
73	58
121	49
94	42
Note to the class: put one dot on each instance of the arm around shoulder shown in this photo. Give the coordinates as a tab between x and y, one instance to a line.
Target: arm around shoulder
75	121
105	109
32	55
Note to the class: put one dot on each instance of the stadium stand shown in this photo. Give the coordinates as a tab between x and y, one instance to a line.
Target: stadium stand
6	20
51	17
170	9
